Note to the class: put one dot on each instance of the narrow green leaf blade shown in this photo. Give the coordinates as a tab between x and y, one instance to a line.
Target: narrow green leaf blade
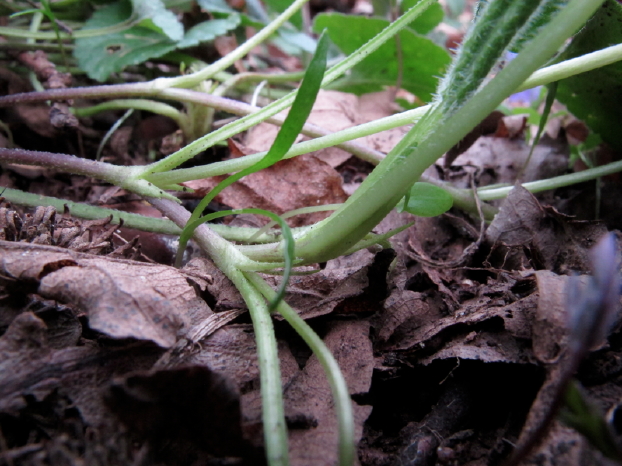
298	114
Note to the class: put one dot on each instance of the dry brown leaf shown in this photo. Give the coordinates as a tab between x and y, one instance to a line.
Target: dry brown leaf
499	160
309	395
526	234
123	299
319	293
290	184
29	367
484	327
335	111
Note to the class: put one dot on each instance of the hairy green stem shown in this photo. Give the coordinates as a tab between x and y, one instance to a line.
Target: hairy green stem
553	183
381	191
117	175
130	220
565	69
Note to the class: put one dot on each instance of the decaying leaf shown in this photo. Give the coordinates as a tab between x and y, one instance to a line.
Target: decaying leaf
309	395
123	299
319	293
192	408
526	234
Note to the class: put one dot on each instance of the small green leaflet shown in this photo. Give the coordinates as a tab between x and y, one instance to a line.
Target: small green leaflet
423	60
426	200
208	30
152	14
103	55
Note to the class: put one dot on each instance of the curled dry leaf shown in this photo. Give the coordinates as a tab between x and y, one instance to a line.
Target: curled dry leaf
123	299
526	234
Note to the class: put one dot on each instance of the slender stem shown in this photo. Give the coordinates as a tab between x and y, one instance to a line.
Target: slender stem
323	140
120	176
227	258
130	220
137	221
553	183
113	129
244	123
63	162
565	69
12	46
225	62
136	104
338	385
41	35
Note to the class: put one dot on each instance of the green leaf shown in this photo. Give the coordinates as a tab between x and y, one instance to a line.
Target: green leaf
595	96
222	7
585	417
298	114
428	20
423	60
102	55
279	6
152	14
209	30
426	200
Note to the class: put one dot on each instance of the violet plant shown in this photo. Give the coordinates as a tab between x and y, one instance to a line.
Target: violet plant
537	29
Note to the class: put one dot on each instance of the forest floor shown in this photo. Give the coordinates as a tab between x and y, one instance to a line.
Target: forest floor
450	340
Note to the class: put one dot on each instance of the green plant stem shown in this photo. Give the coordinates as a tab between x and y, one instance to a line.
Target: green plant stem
244	123
543	76
553	183
137	221
179	95
130	220
338	386
323	140
26	46
42	35
381	191
136	104
117	175
227	258
565	69
225	62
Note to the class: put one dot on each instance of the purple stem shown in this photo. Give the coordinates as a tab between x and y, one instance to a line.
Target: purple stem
61	162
